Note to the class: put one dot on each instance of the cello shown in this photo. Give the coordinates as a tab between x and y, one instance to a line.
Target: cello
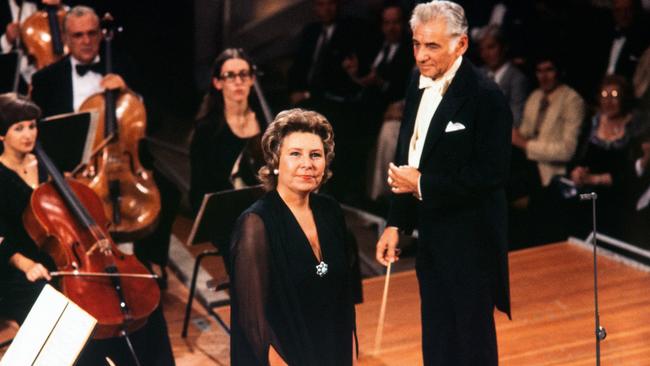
41	35
66	219
128	191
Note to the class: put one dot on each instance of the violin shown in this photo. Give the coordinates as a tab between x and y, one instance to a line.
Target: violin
66	219
41	35
128	191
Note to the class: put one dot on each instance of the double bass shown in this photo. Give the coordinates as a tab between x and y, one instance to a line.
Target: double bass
66	219
128	191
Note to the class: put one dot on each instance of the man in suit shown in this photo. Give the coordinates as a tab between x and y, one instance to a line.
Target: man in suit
493	48
448	182
64	85
316	70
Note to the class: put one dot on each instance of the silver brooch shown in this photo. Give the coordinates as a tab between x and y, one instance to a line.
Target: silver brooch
321	269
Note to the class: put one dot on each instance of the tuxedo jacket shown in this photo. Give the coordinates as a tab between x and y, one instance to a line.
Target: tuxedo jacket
329	76
396	72
514	86
52	85
462	217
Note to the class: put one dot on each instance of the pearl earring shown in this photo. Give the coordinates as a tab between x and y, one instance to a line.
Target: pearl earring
276	171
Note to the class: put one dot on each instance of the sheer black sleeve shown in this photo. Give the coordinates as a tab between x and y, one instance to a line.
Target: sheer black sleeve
251	272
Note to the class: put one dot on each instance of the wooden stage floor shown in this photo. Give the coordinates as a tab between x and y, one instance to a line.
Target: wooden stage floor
553	316
553	320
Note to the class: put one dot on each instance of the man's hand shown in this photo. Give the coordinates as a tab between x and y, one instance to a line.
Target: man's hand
403	179
386	246
519	140
36	272
12	32
579	175
113	82
351	66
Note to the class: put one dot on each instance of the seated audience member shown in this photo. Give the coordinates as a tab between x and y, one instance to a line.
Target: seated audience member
641	82
493	48
383	74
551	122
602	162
548	136
317	65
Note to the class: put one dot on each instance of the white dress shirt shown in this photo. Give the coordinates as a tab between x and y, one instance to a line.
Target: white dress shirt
434	90
431	98
381	56
84	86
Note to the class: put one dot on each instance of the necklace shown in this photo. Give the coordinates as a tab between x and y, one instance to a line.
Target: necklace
18	169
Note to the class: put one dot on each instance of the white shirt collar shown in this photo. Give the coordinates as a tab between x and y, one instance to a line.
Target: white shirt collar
76	62
442	83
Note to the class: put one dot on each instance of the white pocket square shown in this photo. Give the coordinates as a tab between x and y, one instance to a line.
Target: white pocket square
454	126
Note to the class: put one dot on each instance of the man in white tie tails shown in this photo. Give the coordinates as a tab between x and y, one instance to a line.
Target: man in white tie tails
448	181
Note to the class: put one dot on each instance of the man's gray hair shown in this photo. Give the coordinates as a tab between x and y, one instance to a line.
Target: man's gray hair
77	12
452	13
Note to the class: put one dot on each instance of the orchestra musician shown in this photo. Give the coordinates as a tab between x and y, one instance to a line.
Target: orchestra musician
10	10
63	86
24	268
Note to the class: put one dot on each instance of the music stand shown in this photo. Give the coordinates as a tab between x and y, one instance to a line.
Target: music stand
214	223
68	138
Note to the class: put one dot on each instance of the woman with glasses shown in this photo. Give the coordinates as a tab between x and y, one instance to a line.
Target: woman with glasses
225	151
603	160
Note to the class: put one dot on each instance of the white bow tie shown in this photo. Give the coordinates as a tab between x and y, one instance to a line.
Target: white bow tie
426	82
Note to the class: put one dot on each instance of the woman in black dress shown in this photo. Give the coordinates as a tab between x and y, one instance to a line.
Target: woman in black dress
291	287
225	151
604	160
24	268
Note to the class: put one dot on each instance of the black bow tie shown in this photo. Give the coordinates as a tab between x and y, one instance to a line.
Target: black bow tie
94	67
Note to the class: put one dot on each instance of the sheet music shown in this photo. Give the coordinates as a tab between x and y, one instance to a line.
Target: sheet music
53	333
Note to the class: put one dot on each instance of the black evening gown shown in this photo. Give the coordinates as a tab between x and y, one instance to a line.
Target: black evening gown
17	294
278	298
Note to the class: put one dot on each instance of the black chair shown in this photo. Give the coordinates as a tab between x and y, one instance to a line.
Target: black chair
214	223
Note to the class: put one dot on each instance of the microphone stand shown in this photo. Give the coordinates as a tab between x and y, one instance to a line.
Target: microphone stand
600	331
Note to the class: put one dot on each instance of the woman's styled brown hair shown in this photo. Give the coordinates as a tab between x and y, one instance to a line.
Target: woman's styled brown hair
15	108
286	123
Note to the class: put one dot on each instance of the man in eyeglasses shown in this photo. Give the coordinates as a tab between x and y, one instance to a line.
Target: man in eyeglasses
63	86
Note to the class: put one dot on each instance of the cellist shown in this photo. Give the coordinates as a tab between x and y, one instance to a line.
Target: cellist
23	267
64	85
10	11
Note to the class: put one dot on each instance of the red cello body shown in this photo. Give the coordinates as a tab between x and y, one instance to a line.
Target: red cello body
67	220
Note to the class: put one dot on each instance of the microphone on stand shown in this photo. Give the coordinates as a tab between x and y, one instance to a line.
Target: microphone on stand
588	196
600	331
